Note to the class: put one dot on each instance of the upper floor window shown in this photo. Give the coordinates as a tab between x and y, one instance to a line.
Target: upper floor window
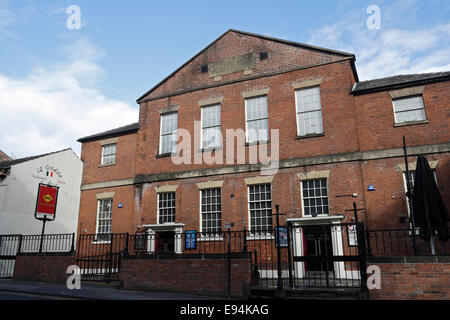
104	216
211	133
309	111
409	109
211	211
315	197
256	117
169	133
109	154
166	207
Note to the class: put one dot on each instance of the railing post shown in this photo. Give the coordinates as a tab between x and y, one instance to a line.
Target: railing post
72	248
229	264
291	280
19	249
362	256
369	247
245	240
126	244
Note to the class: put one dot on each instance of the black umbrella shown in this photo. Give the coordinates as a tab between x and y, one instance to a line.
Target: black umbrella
429	210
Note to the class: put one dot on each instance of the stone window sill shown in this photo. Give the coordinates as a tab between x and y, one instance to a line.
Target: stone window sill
203	150
410	123
165	155
308	136
107	165
257	142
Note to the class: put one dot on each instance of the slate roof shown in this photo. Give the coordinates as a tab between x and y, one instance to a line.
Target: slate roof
134	127
399	81
8	164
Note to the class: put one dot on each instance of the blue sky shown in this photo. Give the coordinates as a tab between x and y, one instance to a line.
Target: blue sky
57	85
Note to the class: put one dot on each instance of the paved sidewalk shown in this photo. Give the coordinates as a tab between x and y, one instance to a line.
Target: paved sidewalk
97	291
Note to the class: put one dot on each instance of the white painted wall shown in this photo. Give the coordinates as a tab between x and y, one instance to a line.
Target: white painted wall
18	192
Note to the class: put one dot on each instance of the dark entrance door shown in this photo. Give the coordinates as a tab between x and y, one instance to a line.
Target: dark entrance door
318	246
165	242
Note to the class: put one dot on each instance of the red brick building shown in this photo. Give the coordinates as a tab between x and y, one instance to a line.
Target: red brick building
337	137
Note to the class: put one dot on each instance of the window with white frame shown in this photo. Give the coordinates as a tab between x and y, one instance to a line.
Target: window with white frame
260	208
169	133
211	212
309	111
104	216
166	207
109	154
315	197
409	109
211	133
257	122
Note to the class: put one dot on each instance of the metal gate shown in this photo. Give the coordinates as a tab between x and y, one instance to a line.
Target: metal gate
99	256
9	246
327	256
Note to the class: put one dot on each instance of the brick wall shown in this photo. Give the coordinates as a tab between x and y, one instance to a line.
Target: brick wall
375	118
233	44
339	121
414	281
185	274
47	267
91	154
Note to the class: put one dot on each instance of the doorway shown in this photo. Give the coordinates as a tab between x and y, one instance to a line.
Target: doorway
318	247
165	242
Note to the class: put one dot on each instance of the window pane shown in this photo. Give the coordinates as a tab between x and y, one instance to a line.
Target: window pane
260	205
409	109
309	112
315	197
308	99
211	214
211	116
166	207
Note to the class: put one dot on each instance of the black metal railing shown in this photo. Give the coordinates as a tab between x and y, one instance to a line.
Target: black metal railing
401	242
11	245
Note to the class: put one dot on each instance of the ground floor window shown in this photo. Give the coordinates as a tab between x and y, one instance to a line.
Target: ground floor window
166	207
104	214
260	208
315	197
211	211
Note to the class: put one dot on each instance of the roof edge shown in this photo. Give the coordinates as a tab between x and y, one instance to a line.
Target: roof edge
130	128
345	54
399	85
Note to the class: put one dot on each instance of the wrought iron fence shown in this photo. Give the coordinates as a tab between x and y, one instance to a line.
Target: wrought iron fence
402	242
11	245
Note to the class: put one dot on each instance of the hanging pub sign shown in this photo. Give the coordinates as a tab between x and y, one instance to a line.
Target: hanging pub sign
190	240
46	202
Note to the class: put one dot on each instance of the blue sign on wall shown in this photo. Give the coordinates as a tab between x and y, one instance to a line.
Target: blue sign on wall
190	240
371	188
283	237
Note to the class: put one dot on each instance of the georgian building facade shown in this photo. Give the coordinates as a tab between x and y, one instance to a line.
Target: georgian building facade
337	139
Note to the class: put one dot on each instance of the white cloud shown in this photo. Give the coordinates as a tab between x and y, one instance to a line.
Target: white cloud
6	19
390	50
55	105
